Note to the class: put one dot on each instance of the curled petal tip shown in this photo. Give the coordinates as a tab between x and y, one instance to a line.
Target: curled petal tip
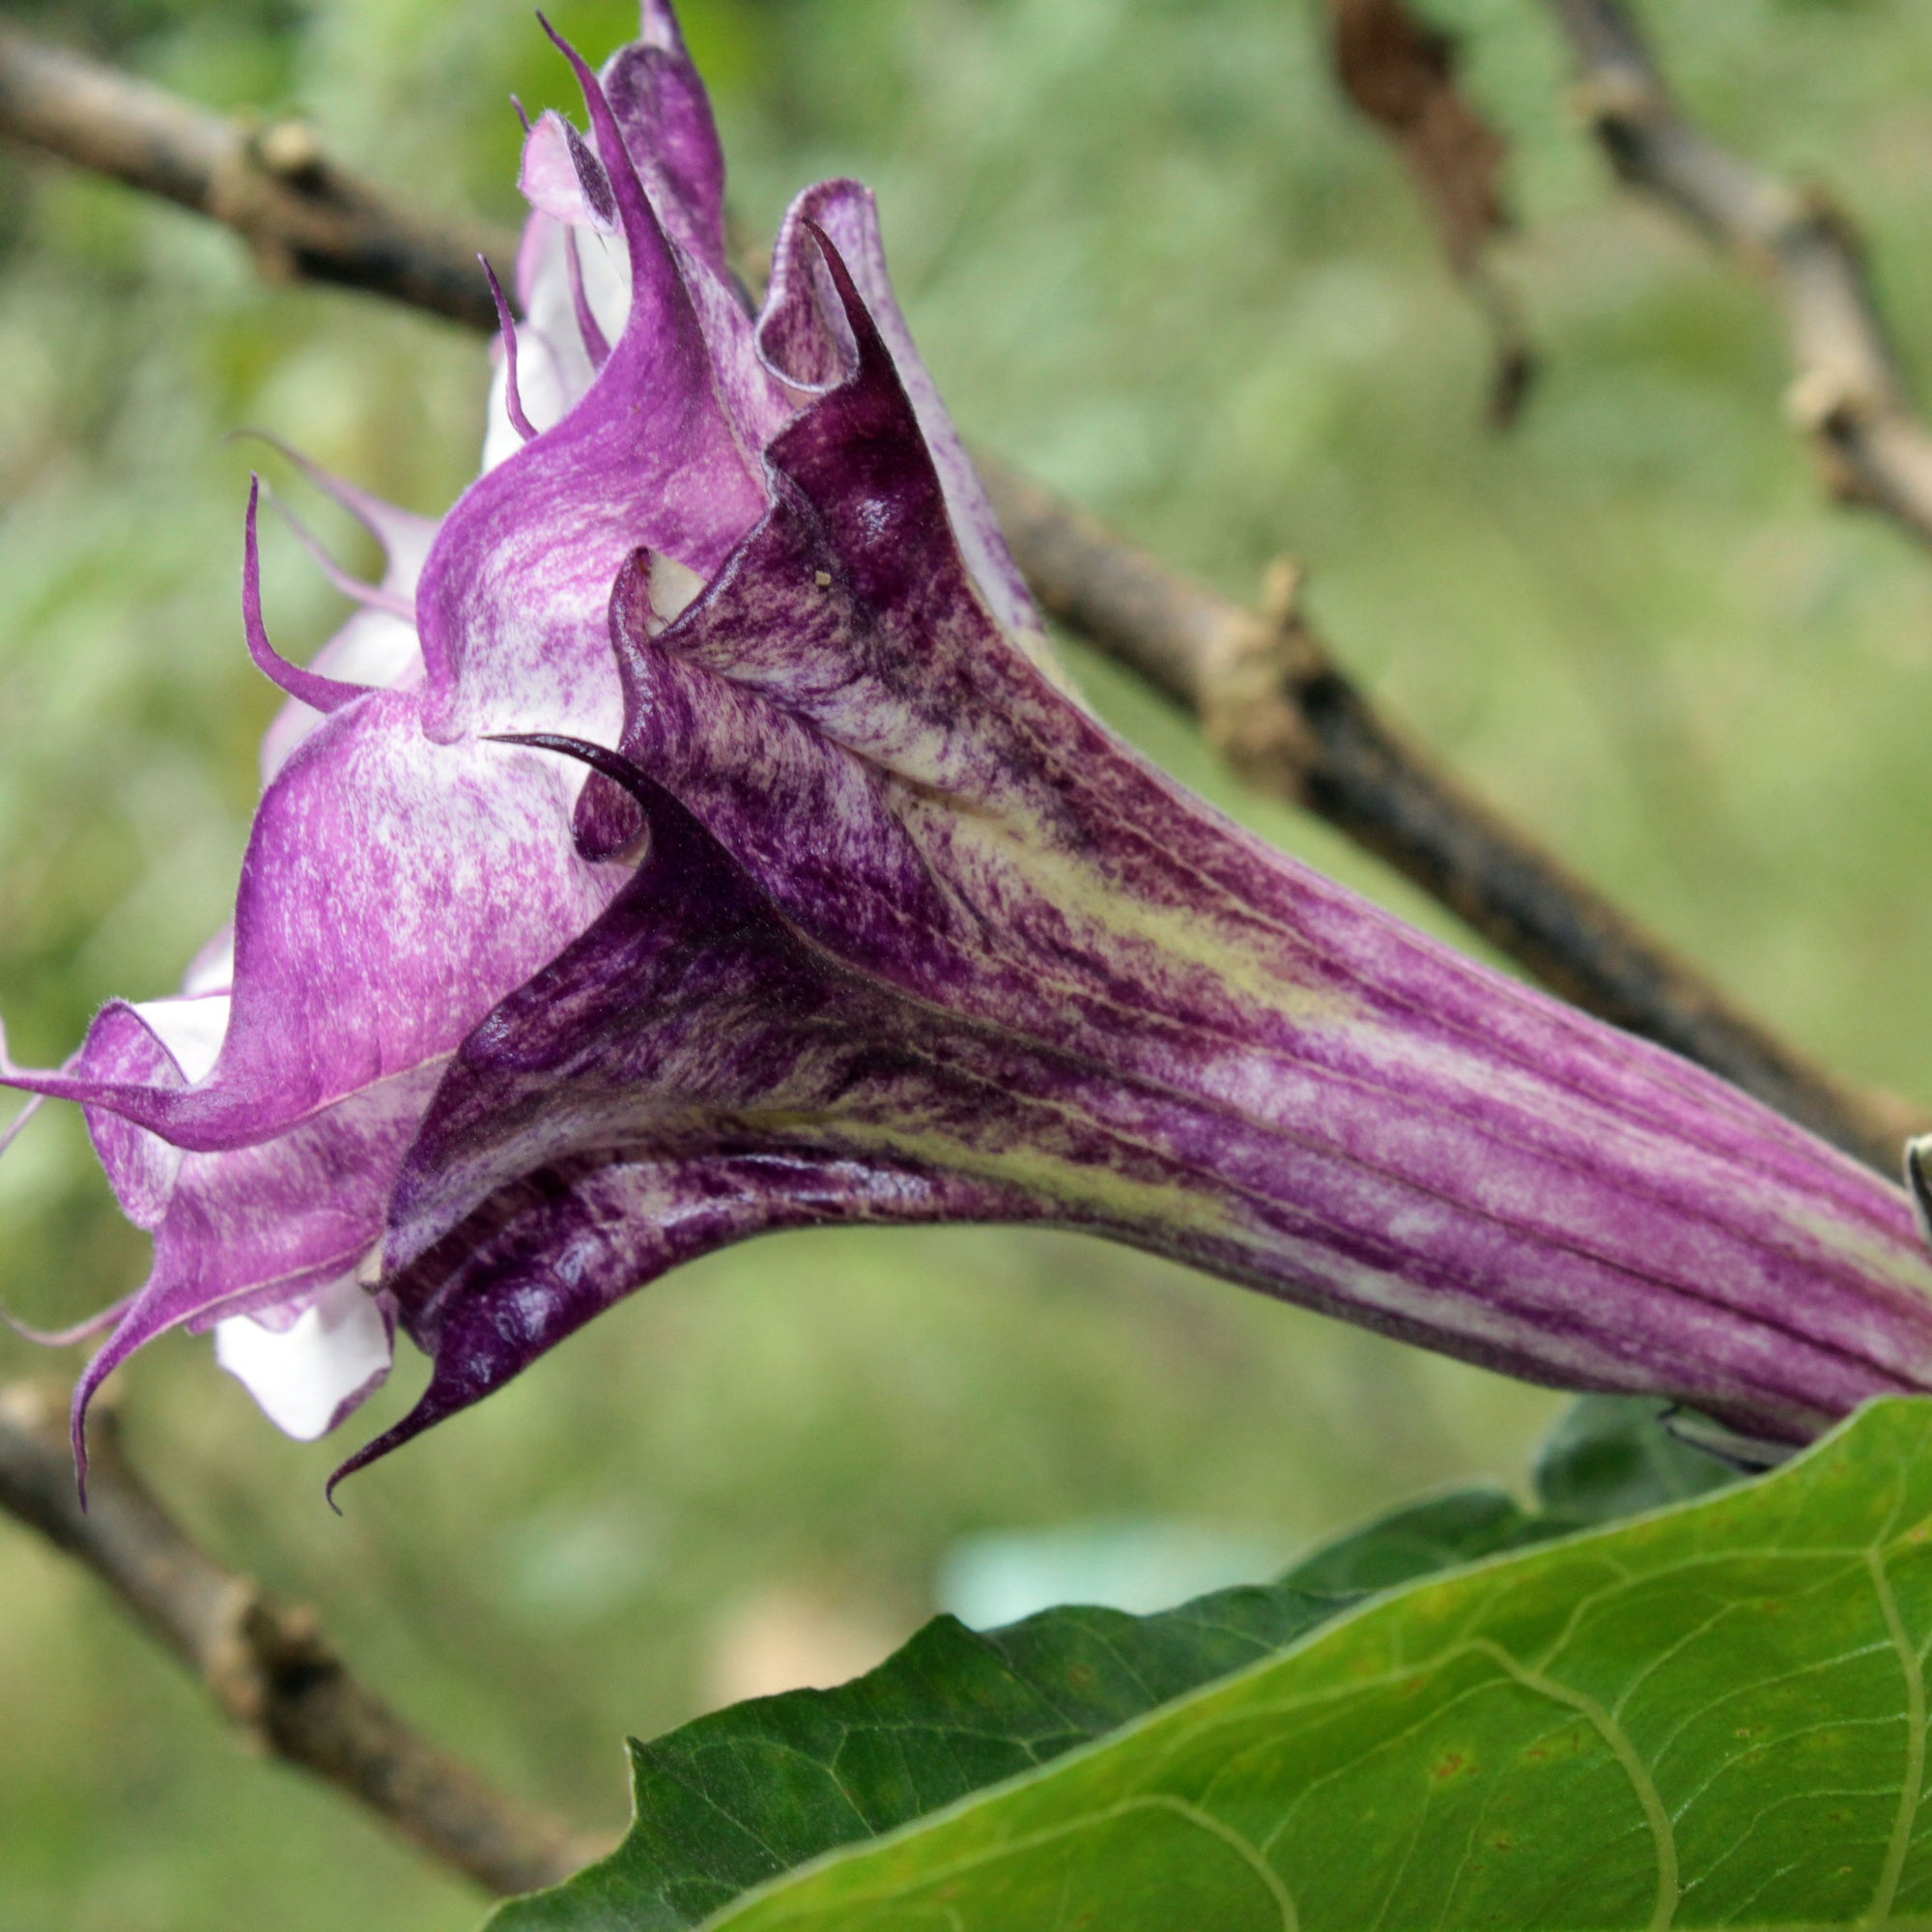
1918	1180
564	46
513	400
307	687
614	765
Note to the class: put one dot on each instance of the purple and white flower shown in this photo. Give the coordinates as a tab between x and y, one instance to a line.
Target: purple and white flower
858	916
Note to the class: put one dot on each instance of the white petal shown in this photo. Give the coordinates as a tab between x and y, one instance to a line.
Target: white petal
212	970
554	369
673	585
192	1028
310	1376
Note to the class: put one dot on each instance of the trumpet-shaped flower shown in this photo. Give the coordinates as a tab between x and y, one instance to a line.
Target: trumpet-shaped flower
406	870
860	916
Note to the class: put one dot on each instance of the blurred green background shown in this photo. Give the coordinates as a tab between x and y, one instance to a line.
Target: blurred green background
1150	254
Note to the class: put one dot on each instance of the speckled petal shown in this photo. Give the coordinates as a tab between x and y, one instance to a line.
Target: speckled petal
391	893
804	335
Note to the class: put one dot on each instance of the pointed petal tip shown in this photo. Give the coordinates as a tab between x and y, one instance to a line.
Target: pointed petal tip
859	318
307	687
658	27
563	46
429	1410
513	400
640	219
614	765
1919	1182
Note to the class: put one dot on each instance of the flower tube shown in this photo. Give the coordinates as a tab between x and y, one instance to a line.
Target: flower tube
915	938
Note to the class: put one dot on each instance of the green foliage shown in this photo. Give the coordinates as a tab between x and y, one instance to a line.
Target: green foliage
728	1802
1711	1715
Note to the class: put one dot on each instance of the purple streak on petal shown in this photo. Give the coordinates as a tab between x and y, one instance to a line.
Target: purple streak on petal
542	1254
594	345
506	326
912	936
599	196
318	693
804	335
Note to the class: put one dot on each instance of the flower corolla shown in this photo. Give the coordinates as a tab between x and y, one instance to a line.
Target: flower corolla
857	915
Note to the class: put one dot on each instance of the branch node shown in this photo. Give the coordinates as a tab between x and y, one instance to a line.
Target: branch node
266	1666
232	1666
1849	395
1254	678
1828	399
292	151
1613	99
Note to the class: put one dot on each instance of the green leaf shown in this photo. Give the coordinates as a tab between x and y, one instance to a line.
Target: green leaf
737	1798
1611	1456
1709	1715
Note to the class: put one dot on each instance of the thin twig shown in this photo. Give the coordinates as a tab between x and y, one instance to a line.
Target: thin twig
301	215
264	1662
1401	72
1269	696
1849	393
